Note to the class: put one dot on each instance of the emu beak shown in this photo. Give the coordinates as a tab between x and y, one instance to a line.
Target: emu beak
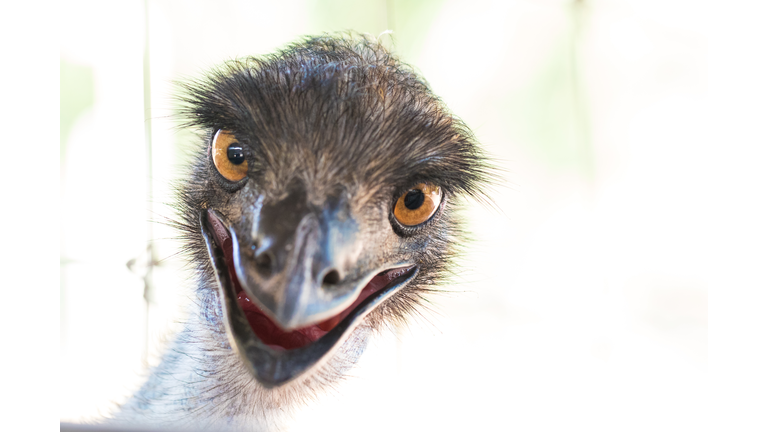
293	287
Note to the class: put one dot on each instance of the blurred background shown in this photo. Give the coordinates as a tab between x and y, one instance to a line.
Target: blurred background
583	301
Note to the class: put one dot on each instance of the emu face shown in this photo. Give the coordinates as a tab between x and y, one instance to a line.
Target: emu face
322	199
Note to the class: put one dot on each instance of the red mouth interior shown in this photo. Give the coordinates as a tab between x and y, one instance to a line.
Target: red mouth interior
270	332
275	337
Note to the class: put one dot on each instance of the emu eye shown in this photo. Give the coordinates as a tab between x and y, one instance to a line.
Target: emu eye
418	204
228	156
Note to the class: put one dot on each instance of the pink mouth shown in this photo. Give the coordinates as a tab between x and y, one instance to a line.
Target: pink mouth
273	336
270	332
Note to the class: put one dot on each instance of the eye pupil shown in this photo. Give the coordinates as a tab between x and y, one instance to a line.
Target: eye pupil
235	154
413	199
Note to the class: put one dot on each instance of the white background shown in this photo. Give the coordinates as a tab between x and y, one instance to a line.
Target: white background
584	302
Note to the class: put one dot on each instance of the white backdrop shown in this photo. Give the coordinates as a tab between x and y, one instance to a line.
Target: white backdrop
583	302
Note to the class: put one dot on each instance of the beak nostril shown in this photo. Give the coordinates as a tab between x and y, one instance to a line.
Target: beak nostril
331	278
263	262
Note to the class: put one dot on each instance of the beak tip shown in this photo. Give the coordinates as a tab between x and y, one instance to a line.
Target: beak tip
288	320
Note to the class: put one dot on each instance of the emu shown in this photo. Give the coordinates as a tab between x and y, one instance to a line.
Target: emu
320	208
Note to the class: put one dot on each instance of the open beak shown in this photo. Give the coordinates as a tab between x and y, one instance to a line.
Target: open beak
292	288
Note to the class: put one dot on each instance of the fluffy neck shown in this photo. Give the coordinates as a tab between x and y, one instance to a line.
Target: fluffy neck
201	383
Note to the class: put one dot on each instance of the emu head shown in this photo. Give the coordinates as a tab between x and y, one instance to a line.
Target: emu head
322	203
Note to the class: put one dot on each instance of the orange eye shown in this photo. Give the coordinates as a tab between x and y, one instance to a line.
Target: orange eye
229	156
418	204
